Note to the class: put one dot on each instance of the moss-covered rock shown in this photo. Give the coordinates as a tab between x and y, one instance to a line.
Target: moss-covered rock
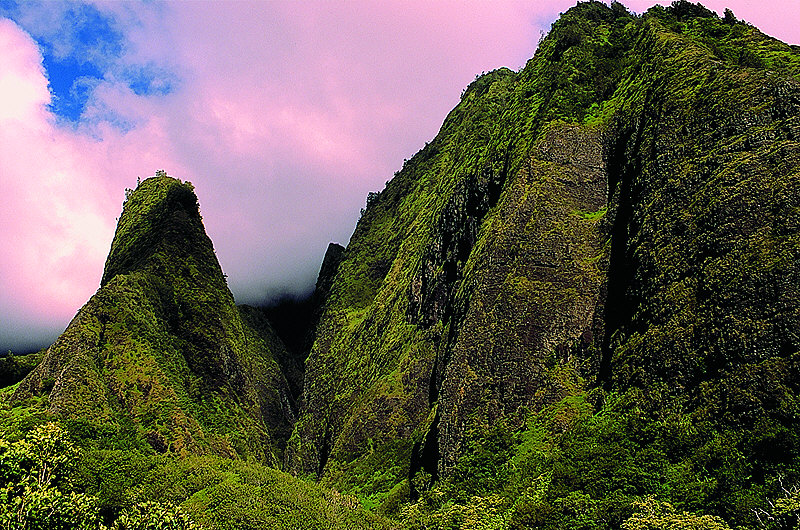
614	225
163	344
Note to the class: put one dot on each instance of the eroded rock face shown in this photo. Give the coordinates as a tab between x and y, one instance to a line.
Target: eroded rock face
534	284
163	345
454	236
528	304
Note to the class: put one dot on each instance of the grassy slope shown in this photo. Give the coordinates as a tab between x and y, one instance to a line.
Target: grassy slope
220	493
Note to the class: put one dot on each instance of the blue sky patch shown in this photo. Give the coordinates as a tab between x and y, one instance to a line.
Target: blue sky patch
71	84
150	80
81	47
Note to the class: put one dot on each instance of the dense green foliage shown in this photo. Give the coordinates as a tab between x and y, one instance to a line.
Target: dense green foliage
49	483
15	367
38	491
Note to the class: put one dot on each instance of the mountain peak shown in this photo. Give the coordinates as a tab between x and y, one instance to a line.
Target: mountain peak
162	343
160	218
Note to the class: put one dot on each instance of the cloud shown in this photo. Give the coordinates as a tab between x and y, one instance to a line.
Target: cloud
43	233
288	114
24	94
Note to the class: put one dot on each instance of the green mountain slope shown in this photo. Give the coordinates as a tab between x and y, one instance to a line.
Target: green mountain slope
163	350
582	292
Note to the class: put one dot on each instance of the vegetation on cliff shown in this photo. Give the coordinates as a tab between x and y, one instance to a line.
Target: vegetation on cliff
164	401
161	355
576	307
579	298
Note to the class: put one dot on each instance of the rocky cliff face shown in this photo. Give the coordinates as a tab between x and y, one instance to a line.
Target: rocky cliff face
532	285
618	218
481	261
162	349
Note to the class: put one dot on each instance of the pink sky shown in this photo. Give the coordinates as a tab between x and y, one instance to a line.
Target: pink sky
285	115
